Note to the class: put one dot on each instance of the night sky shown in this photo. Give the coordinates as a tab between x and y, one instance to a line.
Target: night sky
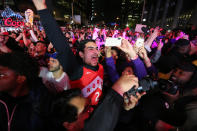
111	8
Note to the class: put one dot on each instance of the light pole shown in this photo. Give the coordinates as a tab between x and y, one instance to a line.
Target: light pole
156	11
163	22
143	11
177	13
72	6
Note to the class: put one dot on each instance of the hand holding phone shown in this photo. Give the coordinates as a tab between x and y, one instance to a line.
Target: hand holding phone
139	42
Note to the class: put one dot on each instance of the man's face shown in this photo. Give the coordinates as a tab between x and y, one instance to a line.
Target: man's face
181	77
2	38
31	50
128	70
53	64
8	79
184	49
40	49
13	35
67	35
90	54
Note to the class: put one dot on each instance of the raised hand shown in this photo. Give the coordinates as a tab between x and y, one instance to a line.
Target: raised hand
128	48
156	31
160	45
125	83
40	4
132	101
138	44
142	53
108	51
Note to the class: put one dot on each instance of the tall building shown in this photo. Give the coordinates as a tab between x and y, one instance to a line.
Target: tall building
171	13
131	12
96	12
93	10
76	10
4	3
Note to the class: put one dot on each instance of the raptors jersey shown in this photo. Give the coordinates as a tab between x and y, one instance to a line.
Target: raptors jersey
90	83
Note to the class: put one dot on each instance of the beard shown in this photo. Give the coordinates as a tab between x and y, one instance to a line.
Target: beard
54	69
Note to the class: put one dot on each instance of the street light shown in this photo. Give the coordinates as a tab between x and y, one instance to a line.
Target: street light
143	10
72	4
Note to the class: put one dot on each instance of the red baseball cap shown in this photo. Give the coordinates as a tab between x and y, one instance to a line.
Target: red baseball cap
4	33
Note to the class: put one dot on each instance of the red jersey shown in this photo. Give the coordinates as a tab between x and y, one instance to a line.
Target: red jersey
90	83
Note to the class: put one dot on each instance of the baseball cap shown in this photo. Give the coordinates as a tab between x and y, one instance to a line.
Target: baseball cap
54	55
4	33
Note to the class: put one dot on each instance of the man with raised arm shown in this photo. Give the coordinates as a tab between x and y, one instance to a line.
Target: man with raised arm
88	76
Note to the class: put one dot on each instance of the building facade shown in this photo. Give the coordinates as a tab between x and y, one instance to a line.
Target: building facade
171	13
131	12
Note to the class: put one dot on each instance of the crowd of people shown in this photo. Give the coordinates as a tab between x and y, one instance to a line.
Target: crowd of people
63	78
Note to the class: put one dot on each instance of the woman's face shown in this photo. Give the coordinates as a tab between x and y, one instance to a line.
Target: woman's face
128	71
114	54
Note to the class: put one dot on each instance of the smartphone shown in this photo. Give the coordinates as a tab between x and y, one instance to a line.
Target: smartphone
139	42
113	41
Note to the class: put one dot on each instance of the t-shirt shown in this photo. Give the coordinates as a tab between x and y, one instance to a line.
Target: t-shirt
54	85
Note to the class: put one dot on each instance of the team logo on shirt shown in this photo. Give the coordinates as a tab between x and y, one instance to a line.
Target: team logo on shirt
94	85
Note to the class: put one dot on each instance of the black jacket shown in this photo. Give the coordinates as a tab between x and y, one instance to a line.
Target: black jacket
105	116
22	113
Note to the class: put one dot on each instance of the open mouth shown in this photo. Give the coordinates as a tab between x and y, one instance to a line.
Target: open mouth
95	58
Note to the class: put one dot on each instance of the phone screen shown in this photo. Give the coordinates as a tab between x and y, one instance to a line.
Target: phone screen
139	42
113	41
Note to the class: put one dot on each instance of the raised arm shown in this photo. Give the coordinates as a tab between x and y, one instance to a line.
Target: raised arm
31	31
19	37
111	68
155	57
150	40
138	65
105	116
26	42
